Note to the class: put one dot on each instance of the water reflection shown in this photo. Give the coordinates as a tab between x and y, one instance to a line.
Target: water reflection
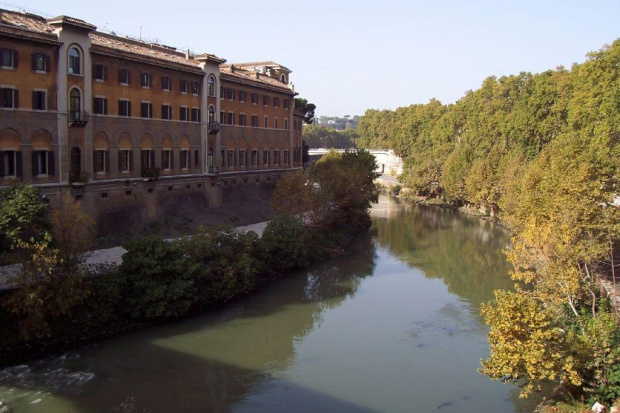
204	364
465	252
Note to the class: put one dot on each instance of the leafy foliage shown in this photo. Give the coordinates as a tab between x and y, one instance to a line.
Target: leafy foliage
306	108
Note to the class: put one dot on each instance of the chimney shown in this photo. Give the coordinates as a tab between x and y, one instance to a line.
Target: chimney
232	68
187	54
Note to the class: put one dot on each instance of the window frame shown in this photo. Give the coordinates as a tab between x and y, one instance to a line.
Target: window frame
99	72
7	54
195	114
184	113
103	103
166	111
14	97
146	80
211	86
124	76
74	63
38	99
146	110
166	83
184	86
124	104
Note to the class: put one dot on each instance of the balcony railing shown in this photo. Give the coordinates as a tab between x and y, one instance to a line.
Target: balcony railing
214	127
78	118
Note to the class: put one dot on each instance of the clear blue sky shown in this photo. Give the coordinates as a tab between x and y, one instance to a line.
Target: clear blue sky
349	56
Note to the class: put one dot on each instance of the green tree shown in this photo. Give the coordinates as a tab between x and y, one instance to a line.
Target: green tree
306	108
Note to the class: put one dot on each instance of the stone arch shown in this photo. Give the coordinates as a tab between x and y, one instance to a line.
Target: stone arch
166	142
146	142
101	141
124	141
10	140
42	140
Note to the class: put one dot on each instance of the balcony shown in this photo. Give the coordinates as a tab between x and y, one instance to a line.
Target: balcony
77	119
214	128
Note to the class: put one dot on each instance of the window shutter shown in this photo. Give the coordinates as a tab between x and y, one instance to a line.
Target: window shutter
189	159
172	159
105	106
34	100
96	105
129	108
164	115
162	159
35	164
15	98
131	160
106	166
50	162
120	160
47	64
104	73
152	157
120	75
33	61
1	163
144	160
15	59
95	169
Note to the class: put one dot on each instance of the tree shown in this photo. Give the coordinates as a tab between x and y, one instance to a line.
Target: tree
306	108
23	216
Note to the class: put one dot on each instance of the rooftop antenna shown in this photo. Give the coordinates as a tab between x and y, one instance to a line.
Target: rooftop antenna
140	32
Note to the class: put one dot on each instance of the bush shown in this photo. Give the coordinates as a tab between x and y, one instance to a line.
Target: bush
285	240
226	266
159	278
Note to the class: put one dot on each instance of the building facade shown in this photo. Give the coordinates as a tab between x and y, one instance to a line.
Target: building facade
125	125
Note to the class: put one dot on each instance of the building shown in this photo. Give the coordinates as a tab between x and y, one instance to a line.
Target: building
127	126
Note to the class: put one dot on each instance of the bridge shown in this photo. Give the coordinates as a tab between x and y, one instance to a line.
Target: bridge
387	161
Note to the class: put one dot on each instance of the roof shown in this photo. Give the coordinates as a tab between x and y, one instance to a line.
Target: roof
116	46
268	63
252	78
31	26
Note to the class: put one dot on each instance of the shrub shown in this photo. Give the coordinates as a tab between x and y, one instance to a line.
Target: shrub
159	278
285	240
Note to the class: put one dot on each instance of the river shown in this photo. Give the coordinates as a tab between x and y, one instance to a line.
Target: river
393	326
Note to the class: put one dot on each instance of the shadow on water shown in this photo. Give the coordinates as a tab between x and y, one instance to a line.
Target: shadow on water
465	252
207	363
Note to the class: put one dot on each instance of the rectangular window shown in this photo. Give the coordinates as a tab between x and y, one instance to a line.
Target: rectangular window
9	98
100	105
231	94
276	102
285	102
222	118
99	72
39	100
166	111
242	158
265	100
275	123
241	96
146	110
241	119
124	77
195	115
197	160
231	118
40	62
148	159
255	121
254	99
266	158
184	113
124	160
222	92
124	108
146	80
42	163
184	86
100	161
286	124
184	159
285	157
223	157
266	122
195	89
8	58
166	159
166	83
11	163
231	158
276	157
254	157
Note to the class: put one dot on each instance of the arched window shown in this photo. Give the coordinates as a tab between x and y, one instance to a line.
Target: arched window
74	61
75	105
211	85
283	78
211	114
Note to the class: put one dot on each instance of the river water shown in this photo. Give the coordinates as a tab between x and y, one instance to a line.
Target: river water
393	327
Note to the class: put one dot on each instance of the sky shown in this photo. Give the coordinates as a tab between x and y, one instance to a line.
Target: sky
350	56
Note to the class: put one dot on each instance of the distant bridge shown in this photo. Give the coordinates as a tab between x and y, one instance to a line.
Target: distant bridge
387	161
